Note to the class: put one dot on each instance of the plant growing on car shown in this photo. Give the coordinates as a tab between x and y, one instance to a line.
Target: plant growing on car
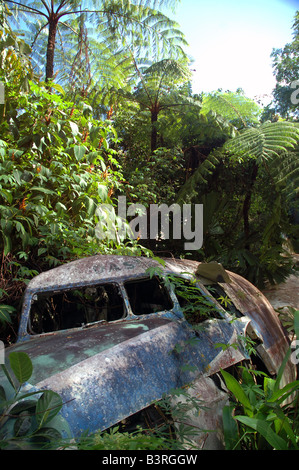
26	418
195	306
260	416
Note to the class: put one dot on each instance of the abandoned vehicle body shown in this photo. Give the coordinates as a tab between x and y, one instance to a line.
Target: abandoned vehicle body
112	335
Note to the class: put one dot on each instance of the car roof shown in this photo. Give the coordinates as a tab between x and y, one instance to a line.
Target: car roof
105	268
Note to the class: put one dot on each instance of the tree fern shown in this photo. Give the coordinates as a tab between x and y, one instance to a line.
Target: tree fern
234	107
114	23
285	172
265	142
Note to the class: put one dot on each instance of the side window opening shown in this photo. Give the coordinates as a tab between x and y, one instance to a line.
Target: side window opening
148	296
220	295
75	307
196	306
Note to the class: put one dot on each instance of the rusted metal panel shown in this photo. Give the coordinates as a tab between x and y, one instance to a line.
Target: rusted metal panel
207	421
265	322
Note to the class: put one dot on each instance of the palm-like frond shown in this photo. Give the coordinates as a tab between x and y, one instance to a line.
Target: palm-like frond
234	107
285	172
112	25
265	142
206	168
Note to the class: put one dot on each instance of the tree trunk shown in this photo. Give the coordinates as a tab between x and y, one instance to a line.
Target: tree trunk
53	21
247	203
154	134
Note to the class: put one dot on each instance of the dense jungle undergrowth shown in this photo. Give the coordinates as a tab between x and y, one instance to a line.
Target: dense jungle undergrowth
89	115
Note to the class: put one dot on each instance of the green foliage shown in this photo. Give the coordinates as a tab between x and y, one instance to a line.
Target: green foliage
200	175
286	71
260	416
142	188
114	439
244	229
112	29
238	110
195	306
157	92
285	171
55	171
27	418
264	142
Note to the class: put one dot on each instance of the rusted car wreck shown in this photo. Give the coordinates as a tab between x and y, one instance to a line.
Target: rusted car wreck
104	332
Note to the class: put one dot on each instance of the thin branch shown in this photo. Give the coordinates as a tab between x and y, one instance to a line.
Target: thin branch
38	33
69	27
28	9
62	4
47	7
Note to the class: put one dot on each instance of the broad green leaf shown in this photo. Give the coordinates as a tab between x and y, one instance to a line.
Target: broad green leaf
58	88
48	434
42	190
6	195
21	365
48	405
283	422
74	128
41	251
79	151
7	245
230	428
20	227
5	311
268	386
238	392
102	191
23	424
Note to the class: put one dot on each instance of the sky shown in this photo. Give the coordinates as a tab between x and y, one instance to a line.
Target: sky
231	41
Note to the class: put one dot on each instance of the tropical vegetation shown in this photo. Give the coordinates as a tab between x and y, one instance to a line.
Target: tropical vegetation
99	104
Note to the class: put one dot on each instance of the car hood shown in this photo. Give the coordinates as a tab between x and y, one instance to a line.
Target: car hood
139	361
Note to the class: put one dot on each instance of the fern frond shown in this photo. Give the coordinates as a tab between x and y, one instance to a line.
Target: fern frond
285	172
111	25
234	107
265	142
205	169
